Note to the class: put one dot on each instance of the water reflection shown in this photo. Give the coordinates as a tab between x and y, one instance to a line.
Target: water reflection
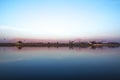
71	47
19	47
16	53
59	63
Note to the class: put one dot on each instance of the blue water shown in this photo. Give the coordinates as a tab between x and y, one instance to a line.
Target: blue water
59	63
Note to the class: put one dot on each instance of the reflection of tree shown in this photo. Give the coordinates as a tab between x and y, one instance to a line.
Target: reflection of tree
19	47
93	47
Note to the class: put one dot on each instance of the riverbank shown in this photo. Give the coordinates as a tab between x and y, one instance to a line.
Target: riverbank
57	44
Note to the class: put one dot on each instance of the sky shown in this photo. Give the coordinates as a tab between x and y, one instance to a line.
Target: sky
60	19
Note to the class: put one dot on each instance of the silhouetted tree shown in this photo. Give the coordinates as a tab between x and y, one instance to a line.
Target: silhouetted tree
19	43
93	42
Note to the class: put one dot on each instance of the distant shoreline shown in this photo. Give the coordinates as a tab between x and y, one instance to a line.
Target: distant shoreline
58	44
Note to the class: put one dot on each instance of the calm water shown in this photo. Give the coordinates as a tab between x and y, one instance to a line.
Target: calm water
59	63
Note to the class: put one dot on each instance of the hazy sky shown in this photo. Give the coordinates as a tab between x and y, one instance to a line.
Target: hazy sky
60	19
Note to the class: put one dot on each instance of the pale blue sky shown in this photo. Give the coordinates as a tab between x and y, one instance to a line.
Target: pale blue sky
60	19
